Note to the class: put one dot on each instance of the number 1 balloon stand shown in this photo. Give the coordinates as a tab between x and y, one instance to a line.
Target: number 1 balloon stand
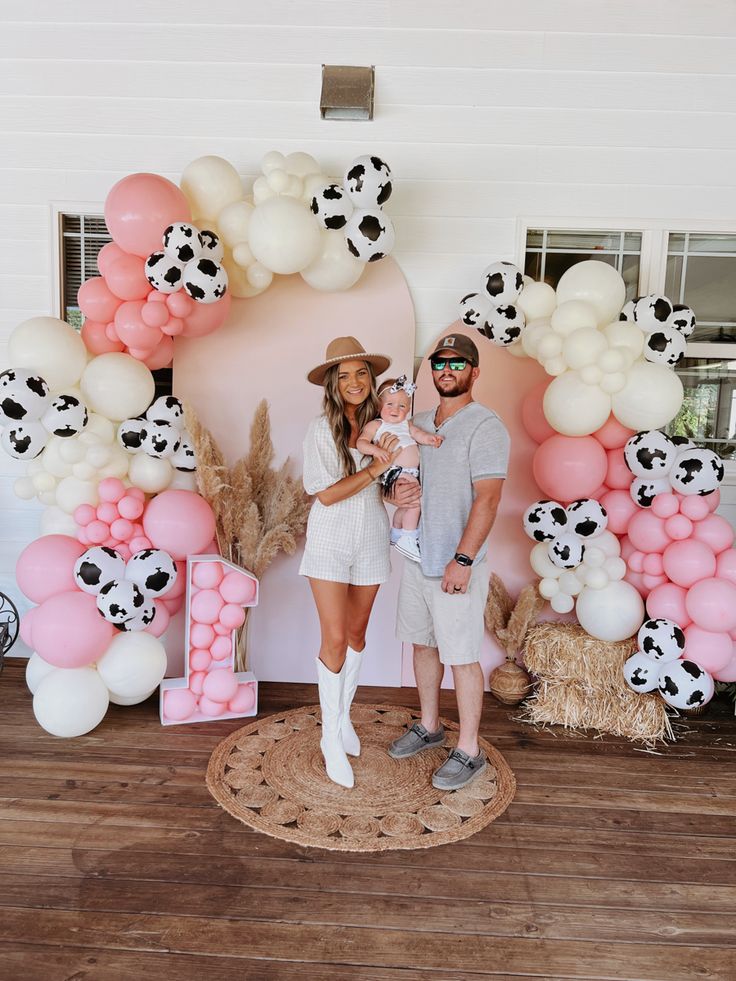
217	595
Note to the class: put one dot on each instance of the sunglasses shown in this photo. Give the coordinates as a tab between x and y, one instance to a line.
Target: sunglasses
454	364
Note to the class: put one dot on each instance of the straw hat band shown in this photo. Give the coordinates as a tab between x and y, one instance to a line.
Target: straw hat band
346	349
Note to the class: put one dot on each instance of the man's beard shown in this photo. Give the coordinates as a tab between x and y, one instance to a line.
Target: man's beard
461	387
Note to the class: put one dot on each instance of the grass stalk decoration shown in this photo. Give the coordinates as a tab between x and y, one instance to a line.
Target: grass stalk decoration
259	511
509	622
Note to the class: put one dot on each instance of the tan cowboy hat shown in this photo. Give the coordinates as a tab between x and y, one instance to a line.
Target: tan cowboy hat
346	349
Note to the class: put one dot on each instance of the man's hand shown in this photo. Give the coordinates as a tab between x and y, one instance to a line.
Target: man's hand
456	578
406	493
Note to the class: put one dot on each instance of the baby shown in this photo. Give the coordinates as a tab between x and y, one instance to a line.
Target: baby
395	397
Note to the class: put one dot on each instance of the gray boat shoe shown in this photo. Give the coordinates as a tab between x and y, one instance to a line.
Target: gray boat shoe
458	770
416	739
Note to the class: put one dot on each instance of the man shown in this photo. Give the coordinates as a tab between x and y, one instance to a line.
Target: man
441	600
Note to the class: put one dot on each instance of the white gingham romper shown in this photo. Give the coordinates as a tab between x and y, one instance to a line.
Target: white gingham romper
348	541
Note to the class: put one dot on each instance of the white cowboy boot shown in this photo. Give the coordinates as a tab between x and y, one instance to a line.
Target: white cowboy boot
350	740
330	700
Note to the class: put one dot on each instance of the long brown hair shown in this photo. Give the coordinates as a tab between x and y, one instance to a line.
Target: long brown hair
334	409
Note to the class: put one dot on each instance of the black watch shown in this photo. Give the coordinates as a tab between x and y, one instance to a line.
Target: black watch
462	559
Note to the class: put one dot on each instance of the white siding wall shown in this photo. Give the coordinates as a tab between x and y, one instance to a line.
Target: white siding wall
486	110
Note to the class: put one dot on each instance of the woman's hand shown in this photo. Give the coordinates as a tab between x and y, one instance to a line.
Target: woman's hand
406	493
389	449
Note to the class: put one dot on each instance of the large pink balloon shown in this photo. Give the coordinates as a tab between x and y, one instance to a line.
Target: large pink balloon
206	317
612	434
532	414
686	563
139	208
621	509
709	649
96	340
711	604
726	565
728	672
647	532
97	301
46	566
618	475
668	602
569	467
180	522
715	531
68	630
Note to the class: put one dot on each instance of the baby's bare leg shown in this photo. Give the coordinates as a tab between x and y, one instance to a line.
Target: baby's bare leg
410	519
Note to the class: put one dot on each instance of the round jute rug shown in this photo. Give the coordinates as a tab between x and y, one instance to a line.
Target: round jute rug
270	775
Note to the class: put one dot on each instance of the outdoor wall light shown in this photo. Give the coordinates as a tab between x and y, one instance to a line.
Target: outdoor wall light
347	92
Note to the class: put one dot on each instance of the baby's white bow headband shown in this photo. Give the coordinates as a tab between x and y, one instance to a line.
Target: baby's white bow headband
401	384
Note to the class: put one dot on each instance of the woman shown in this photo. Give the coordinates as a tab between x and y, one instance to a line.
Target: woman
346	557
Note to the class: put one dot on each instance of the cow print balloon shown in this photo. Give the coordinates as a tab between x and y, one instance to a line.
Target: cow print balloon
205	281
682	319
66	416
184	458
24	441
164	273
685	685
661	640
167	408
23	396
152	570
665	346
96	567
696	471
650	454
502	282
503	326
131	434
369	235
643	490
161	440
586	518
183	242
142	618
651	312
566	551
119	600
628	310
368	182
544	521
212	247
474	309
641	673
332	206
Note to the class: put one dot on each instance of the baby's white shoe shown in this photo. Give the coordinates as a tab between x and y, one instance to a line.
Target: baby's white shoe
408	545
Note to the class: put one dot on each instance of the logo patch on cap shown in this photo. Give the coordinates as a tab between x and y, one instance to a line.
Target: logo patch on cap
449	342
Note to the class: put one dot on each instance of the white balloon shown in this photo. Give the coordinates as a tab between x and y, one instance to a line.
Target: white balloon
130	699
548	588
150	473
283	235
541	562
591	374
615	567
334	268
181	480
70	701
273	160
133	664
50	348
596	283
611	360
517	350
562	603
594	557
54	521
549	346
532	337
36	671
571	316
536	300
71	492
612	613
583	347
117	386
555	366
651	397
615	382
573	408
624	335
209	184
608	543
570	584
595	578
233	222
299	164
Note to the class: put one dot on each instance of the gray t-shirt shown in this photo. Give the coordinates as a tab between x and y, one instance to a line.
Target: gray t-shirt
476	446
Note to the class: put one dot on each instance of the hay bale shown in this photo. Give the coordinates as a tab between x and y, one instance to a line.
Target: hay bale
581	685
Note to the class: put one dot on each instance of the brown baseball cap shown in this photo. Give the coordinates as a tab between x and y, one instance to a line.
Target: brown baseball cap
460	343
346	349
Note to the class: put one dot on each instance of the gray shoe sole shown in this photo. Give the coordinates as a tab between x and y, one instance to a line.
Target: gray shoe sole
461	780
399	755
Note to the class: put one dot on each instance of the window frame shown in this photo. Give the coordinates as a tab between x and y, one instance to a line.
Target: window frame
57	210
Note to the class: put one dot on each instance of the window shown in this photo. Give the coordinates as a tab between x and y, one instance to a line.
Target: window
551	252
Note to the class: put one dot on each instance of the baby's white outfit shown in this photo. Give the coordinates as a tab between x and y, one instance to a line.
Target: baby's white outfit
398	429
347	541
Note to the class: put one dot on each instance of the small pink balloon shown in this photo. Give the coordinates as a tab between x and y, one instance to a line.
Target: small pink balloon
647	532
161	356
715	532
160	622
68	630
232	615
221	630
126	277
726	673
199	660
612	434
713	500
532	413
155	297
179	704
653	564
635	561
111	489
621	509
201	635
179	304
180	584
137	530
710	649
207	317
678	527
600	492
206	606
154	314
112	334
668	602
96	339
173	327
222	648
110	542
221	685
238	588
97	301
695	508
83	537
651	582
84	514
123	549
686	562
139	544
136	492
173	605
98	531
121	529
627	548
711	604
107	512
131	329
618	475
207	575
636	580
665	505
130	507
107	255
244	699
211	709
196	681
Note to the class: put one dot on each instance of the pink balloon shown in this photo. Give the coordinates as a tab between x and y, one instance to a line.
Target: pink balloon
678	527
111	490
232	615
618	475
130	507
709	649
612	434
210	708
26	627
222	648
711	604
139	208
695	508
626	547
206	317
726	673
221	629
713	500
173	327
107	512
179	704
237	588
107	255
97	301
569	467
199	660
221	685
96	340
201	635
126	277
173	605
532	414
651	582
668	601
179	304
161	356
98	532
180	522
647	532
206	605
139	544
132	330
121	529
715	531
600	492
635	579
244	699
726	565
636	560
653	564
207	575
154	314
178	589
136	492
196	681
686	563
68	630
46	566
160	622
665	505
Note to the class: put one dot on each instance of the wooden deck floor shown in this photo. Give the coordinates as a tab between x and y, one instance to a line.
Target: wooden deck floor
115	863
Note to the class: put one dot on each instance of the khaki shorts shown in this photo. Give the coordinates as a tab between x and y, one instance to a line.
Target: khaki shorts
453	623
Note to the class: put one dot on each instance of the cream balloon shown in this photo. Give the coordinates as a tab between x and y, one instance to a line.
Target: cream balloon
210	184
621	334
237	279
183	480
133	664
569	582
615	382
555	366
36	671
596	283
549	346
149	473
50	348
608	543
536	300
573	408
548	588
283	235
612	613
273	160
571	316
532	336
70	701
71	492
300	164
540	561
562	603
583	347
54	521
517	350
132	699
334	268
651	397
117	386
233	222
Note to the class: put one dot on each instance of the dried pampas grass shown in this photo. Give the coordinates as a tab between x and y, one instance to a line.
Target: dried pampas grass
509	622
581	686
